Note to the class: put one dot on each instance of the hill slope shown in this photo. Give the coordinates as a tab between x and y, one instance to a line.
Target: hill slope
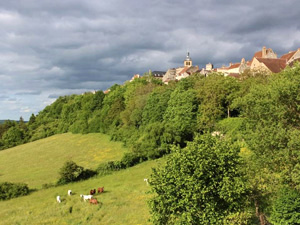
38	162
123	202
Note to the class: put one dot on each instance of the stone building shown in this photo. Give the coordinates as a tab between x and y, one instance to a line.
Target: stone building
291	56
266	60
268	64
181	72
265	53
234	68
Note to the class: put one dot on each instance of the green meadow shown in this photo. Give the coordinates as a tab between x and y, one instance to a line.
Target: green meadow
38	163
123	202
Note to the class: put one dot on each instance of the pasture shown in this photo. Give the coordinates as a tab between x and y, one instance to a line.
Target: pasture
38	162
124	201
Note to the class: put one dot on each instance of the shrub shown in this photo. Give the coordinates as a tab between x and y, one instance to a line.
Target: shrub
71	172
131	159
200	184
11	190
86	174
286	208
128	160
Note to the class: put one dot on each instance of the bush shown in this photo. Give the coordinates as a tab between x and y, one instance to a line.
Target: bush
11	190
128	160
86	174
71	172
106	168
286	208
200	184
131	159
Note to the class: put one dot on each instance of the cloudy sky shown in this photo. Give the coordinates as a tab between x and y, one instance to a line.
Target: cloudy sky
50	48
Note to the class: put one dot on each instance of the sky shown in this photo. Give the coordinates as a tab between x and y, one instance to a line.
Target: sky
52	48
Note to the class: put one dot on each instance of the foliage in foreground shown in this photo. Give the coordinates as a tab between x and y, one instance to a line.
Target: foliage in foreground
286	208
200	184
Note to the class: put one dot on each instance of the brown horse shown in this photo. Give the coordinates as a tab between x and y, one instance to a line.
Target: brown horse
92	192
93	201
100	189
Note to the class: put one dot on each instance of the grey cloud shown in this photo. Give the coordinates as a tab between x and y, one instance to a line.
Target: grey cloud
2	97
29	93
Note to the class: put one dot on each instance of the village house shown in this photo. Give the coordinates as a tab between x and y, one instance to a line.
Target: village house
266	60
265	53
268	65
181	72
234	69
158	74
135	76
209	68
291	56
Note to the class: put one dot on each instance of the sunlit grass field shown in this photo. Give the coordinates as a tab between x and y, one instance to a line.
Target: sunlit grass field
39	162
123	202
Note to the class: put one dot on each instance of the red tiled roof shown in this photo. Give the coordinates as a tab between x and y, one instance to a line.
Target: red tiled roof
288	55
275	65
184	70
192	69
258	54
223	68
235	65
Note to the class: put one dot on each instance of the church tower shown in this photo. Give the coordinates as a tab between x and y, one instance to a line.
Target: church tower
188	61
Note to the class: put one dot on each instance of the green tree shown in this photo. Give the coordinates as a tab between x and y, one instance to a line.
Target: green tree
32	119
200	184
216	94
156	105
12	137
70	172
180	115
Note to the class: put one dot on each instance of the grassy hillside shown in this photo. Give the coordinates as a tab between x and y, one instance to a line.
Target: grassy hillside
38	162
123	202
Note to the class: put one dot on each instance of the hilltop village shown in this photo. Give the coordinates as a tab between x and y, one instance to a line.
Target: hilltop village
265	60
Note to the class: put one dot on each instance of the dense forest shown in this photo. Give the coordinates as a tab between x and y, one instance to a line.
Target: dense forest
234	143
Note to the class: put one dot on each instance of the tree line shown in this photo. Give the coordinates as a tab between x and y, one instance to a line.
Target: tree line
258	113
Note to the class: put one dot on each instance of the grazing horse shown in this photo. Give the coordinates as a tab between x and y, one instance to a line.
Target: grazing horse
93	201
92	192
100	189
86	197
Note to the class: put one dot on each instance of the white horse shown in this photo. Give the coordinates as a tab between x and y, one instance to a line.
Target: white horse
86	197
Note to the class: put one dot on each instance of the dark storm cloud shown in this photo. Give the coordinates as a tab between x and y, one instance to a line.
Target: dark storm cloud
50	48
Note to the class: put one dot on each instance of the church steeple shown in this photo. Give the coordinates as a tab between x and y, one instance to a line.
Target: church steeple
188	60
